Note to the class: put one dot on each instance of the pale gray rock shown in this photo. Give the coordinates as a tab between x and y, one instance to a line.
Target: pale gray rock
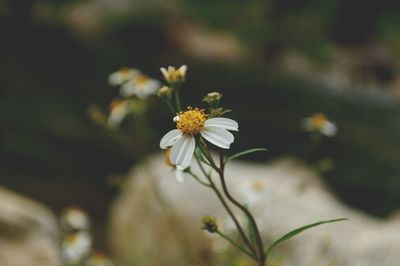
28	232
282	196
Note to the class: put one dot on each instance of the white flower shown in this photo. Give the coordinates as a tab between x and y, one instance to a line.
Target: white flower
142	86
122	76
98	259
319	123
191	123
173	75
253	191
74	219
76	247
119	109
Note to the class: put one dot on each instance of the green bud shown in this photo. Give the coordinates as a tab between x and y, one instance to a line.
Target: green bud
213	98
210	224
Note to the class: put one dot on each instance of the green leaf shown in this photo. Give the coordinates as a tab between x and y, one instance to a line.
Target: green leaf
237	155
251	233
299	230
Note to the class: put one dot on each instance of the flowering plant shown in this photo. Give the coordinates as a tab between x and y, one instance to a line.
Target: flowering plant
197	131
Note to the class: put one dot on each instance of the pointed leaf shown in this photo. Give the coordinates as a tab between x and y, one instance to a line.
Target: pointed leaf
237	155
251	233
299	230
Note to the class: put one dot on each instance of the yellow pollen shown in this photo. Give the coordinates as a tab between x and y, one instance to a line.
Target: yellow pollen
191	121
318	120
257	185
71	239
142	79
115	104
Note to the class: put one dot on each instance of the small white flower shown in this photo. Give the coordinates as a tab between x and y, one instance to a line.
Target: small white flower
253	191
142	86
119	109
76	247
122	76
191	123
74	219
173	75
319	123
98	259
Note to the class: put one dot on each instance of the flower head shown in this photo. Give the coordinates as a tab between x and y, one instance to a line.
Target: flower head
76	247
98	259
73	219
142	86
119	109
122	76
210	224
318	122
212	98
164	92
191	123
173	75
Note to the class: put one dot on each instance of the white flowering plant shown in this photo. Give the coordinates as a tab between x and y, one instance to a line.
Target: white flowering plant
197	130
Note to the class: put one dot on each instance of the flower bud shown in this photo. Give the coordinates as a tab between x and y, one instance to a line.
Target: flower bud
213	98
164	92
173	75
210	224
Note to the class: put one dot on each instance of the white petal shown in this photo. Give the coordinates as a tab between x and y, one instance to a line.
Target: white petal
170	138
164	72
182	151
179	174
218	136
222	122
128	89
183	70
114	79
329	129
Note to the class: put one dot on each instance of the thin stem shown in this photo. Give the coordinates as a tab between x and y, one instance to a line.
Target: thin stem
221	198
177	100
227	238
198	179
170	106
260	245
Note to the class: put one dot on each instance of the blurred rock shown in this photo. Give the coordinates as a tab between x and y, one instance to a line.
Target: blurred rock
282	195
28	232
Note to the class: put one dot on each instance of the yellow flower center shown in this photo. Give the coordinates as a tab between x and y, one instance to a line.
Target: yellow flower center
318	120
142	79
191	121
257	185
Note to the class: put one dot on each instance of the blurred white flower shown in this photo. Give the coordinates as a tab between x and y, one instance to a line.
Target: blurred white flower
173	75
119	109
122	76
190	123
98	259
76	247
318	122
73	219
252	191
142	86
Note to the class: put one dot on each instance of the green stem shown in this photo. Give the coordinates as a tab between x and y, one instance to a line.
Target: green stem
260	245
235	244
198	179
170	107
177	100
226	206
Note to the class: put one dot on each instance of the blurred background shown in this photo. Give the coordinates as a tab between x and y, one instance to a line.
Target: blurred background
275	61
